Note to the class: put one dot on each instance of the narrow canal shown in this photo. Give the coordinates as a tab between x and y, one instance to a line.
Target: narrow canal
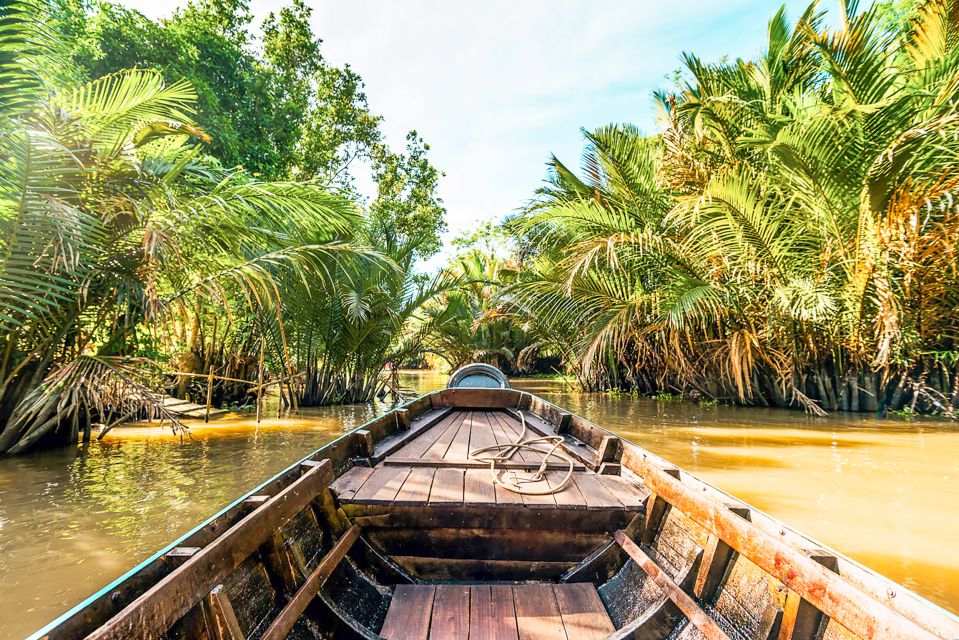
881	491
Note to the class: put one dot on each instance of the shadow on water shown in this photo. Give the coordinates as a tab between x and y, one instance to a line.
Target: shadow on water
878	490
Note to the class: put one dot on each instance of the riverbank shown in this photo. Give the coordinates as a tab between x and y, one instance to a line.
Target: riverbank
71	520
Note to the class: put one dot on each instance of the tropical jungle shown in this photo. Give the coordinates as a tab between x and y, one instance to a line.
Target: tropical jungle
177	204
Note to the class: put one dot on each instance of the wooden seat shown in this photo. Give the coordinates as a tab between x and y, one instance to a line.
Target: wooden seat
434	469
440	515
441	485
497	612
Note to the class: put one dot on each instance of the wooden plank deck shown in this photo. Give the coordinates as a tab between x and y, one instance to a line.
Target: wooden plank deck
435	470
497	612
187	409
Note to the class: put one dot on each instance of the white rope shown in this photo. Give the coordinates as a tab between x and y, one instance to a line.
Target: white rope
509	449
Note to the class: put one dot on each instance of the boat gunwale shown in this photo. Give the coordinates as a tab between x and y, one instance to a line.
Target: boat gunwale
291	469
727	498
791	537
783	529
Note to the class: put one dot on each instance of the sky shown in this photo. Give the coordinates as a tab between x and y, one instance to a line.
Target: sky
496	86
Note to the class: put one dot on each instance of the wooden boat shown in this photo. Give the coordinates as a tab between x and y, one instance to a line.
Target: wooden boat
395	531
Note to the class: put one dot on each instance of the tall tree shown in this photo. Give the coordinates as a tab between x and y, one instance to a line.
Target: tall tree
406	197
113	222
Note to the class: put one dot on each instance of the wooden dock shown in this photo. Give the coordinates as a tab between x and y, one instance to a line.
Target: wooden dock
187	409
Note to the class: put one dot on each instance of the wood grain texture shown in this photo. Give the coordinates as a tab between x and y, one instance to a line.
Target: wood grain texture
442	444
447	487
346	486
673	591
460	444
451	611
154	611
583	613
416	487
418	446
284	622
492	616
482	433
383	485
478	488
537	614
596	494
632	494
569	497
411	609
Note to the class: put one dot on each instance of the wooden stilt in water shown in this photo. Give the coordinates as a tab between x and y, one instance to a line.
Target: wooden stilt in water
209	395
259	389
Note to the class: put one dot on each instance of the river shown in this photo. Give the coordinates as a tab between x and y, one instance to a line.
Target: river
881	491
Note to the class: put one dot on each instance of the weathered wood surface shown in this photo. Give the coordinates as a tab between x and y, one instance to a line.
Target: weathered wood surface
187	409
482	570
497	612
493	544
221	622
492	615
409	615
409	430
467	398
537	613
434	469
583	613
693	612
447	485
471	463
294	609
866	617
451	611
500	516
154	612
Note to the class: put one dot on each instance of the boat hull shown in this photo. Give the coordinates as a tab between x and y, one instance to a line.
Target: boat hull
398	528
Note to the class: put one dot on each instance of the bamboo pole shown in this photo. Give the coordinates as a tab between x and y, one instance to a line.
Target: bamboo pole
259	389
204	375
209	395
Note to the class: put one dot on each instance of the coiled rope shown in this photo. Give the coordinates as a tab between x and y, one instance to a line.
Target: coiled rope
509	449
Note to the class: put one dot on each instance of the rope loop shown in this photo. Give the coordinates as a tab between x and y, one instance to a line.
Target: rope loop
546	446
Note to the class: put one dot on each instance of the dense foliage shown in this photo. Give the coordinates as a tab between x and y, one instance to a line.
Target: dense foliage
133	244
788	238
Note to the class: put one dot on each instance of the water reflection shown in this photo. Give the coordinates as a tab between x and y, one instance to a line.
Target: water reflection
880	491
72	520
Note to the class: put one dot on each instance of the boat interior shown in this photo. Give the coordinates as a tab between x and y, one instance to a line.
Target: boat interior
406	529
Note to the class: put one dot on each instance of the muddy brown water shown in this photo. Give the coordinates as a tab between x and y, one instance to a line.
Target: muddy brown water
881	491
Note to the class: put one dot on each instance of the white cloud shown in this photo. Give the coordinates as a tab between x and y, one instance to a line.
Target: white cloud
495	86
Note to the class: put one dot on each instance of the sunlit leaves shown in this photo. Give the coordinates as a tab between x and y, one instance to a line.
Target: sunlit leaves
791	218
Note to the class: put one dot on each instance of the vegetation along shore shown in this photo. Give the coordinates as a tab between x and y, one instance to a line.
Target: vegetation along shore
179	215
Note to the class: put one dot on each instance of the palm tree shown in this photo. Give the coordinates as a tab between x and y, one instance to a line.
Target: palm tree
787	239
343	333
112	221
468	325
